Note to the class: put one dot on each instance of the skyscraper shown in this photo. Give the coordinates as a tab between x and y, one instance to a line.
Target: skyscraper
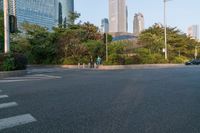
193	32
11	8
65	7
105	25
40	12
117	16
1	4
138	24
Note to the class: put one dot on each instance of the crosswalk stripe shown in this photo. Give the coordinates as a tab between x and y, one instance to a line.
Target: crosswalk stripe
3	96
16	121
7	105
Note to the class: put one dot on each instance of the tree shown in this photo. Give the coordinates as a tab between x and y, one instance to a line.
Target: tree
73	16
95	48
60	18
40	43
91	32
178	43
70	46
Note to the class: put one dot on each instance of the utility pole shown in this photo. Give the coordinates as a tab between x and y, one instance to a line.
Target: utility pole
106	46
6	28
165	27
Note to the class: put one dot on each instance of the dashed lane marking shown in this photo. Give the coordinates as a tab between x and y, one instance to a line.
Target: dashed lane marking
7	105
29	78
16	121
3	96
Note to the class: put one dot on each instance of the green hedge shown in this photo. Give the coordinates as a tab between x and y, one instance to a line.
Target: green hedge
12	61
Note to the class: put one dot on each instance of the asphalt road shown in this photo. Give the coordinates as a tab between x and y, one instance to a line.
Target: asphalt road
90	101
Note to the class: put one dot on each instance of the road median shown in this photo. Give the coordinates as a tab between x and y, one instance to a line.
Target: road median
142	66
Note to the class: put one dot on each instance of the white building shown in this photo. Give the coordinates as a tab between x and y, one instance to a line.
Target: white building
193	32
138	24
117	16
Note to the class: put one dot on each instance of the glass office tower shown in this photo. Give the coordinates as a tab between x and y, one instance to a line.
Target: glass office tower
104	25
12	6
1	4
64	9
46	13
40	12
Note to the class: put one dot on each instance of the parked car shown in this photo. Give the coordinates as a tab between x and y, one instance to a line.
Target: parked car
193	62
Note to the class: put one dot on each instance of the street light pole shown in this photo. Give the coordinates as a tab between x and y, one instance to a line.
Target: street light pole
165	27
6	28
106	46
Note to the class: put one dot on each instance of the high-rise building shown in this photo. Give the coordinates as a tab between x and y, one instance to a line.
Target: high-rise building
138	24
105	25
64	9
117	16
1	4
11	8
193	32
40	12
126	18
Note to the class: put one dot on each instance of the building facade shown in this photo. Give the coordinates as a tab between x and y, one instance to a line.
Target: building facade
117	16
138	24
11	8
193	32
64	9
40	12
104	25
1	4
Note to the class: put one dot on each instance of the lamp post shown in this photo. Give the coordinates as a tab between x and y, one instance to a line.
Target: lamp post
6	28
165	28
106	46
196	51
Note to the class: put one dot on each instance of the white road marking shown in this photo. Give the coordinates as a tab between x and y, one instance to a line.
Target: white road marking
7	105
29	78
3	96
16	121
9	81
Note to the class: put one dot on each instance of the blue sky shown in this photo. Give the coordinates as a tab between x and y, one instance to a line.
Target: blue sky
180	13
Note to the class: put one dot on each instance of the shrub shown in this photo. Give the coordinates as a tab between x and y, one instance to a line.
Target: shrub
20	61
180	59
116	59
12	61
9	64
135	59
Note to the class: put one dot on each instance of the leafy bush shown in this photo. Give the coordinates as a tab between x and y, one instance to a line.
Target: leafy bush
180	59
20	61
133	60
10	62
115	59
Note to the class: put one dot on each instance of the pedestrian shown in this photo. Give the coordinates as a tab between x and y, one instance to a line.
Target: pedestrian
98	60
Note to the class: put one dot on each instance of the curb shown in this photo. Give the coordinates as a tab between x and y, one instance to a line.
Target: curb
144	66
12	73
